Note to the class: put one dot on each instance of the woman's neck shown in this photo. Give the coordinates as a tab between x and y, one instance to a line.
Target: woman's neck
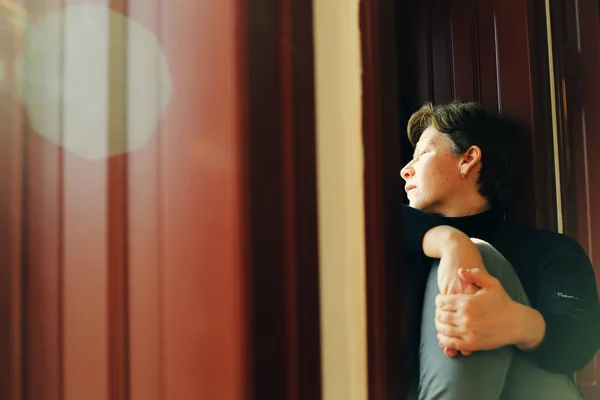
466	207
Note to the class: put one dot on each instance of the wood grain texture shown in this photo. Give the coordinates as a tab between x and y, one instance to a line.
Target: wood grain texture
187	268
12	243
385	319
281	186
575	31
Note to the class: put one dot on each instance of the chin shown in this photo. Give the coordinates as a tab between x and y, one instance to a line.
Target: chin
420	205
416	204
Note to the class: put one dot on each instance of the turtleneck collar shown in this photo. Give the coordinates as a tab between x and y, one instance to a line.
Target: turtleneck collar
477	225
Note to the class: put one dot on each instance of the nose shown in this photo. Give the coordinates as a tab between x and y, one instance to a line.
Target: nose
407	171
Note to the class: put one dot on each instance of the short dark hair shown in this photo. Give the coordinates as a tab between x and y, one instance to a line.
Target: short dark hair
466	124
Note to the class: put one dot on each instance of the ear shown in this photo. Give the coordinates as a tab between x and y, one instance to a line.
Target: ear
470	160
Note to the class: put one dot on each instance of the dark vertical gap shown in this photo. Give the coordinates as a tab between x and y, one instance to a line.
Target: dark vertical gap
544	168
598	8
243	111
497	64
305	204
430	75
452	52
117	233
386	336
476	54
285	342
391	197
265	193
377	368
290	270
407	84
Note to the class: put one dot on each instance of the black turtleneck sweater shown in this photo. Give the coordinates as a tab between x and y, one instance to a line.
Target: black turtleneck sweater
555	271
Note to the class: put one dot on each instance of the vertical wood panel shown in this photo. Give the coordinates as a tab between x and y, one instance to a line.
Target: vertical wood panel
575	30
86	258
386	318
139	266
486	54
17	373
305	246
589	61
202	256
514	87
85	279
282	198
564	40
266	191
288	160
117	203
464	44
144	235
442	48
11	230
44	180
421	52
542	133
44	270
144	311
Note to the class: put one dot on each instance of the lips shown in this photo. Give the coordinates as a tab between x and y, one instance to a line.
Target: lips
408	188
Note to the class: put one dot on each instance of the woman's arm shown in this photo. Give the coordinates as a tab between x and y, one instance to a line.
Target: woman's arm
455	250
426	234
568	301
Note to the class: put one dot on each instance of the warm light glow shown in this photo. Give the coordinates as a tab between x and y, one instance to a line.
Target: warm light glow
93	80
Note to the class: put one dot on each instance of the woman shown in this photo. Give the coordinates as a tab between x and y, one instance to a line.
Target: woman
529	314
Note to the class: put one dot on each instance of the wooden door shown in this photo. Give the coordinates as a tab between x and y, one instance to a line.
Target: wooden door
576	48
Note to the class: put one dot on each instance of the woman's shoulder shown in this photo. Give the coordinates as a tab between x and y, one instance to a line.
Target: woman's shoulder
543	240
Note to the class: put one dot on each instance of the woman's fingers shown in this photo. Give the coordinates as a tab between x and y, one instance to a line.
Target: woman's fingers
447	330
450	342
450	302
447	317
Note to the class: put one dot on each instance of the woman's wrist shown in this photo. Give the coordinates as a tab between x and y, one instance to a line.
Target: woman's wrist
531	327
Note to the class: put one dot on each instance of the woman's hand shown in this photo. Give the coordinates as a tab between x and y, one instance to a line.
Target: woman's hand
486	320
450	282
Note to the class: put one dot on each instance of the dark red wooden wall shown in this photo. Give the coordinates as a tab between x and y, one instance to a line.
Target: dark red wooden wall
188	268
576	49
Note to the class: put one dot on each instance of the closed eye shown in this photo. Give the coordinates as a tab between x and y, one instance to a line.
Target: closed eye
419	154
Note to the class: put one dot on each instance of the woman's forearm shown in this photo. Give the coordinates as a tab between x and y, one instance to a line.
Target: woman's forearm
444	240
455	250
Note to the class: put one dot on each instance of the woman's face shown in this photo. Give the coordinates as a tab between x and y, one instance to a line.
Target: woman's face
433	180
